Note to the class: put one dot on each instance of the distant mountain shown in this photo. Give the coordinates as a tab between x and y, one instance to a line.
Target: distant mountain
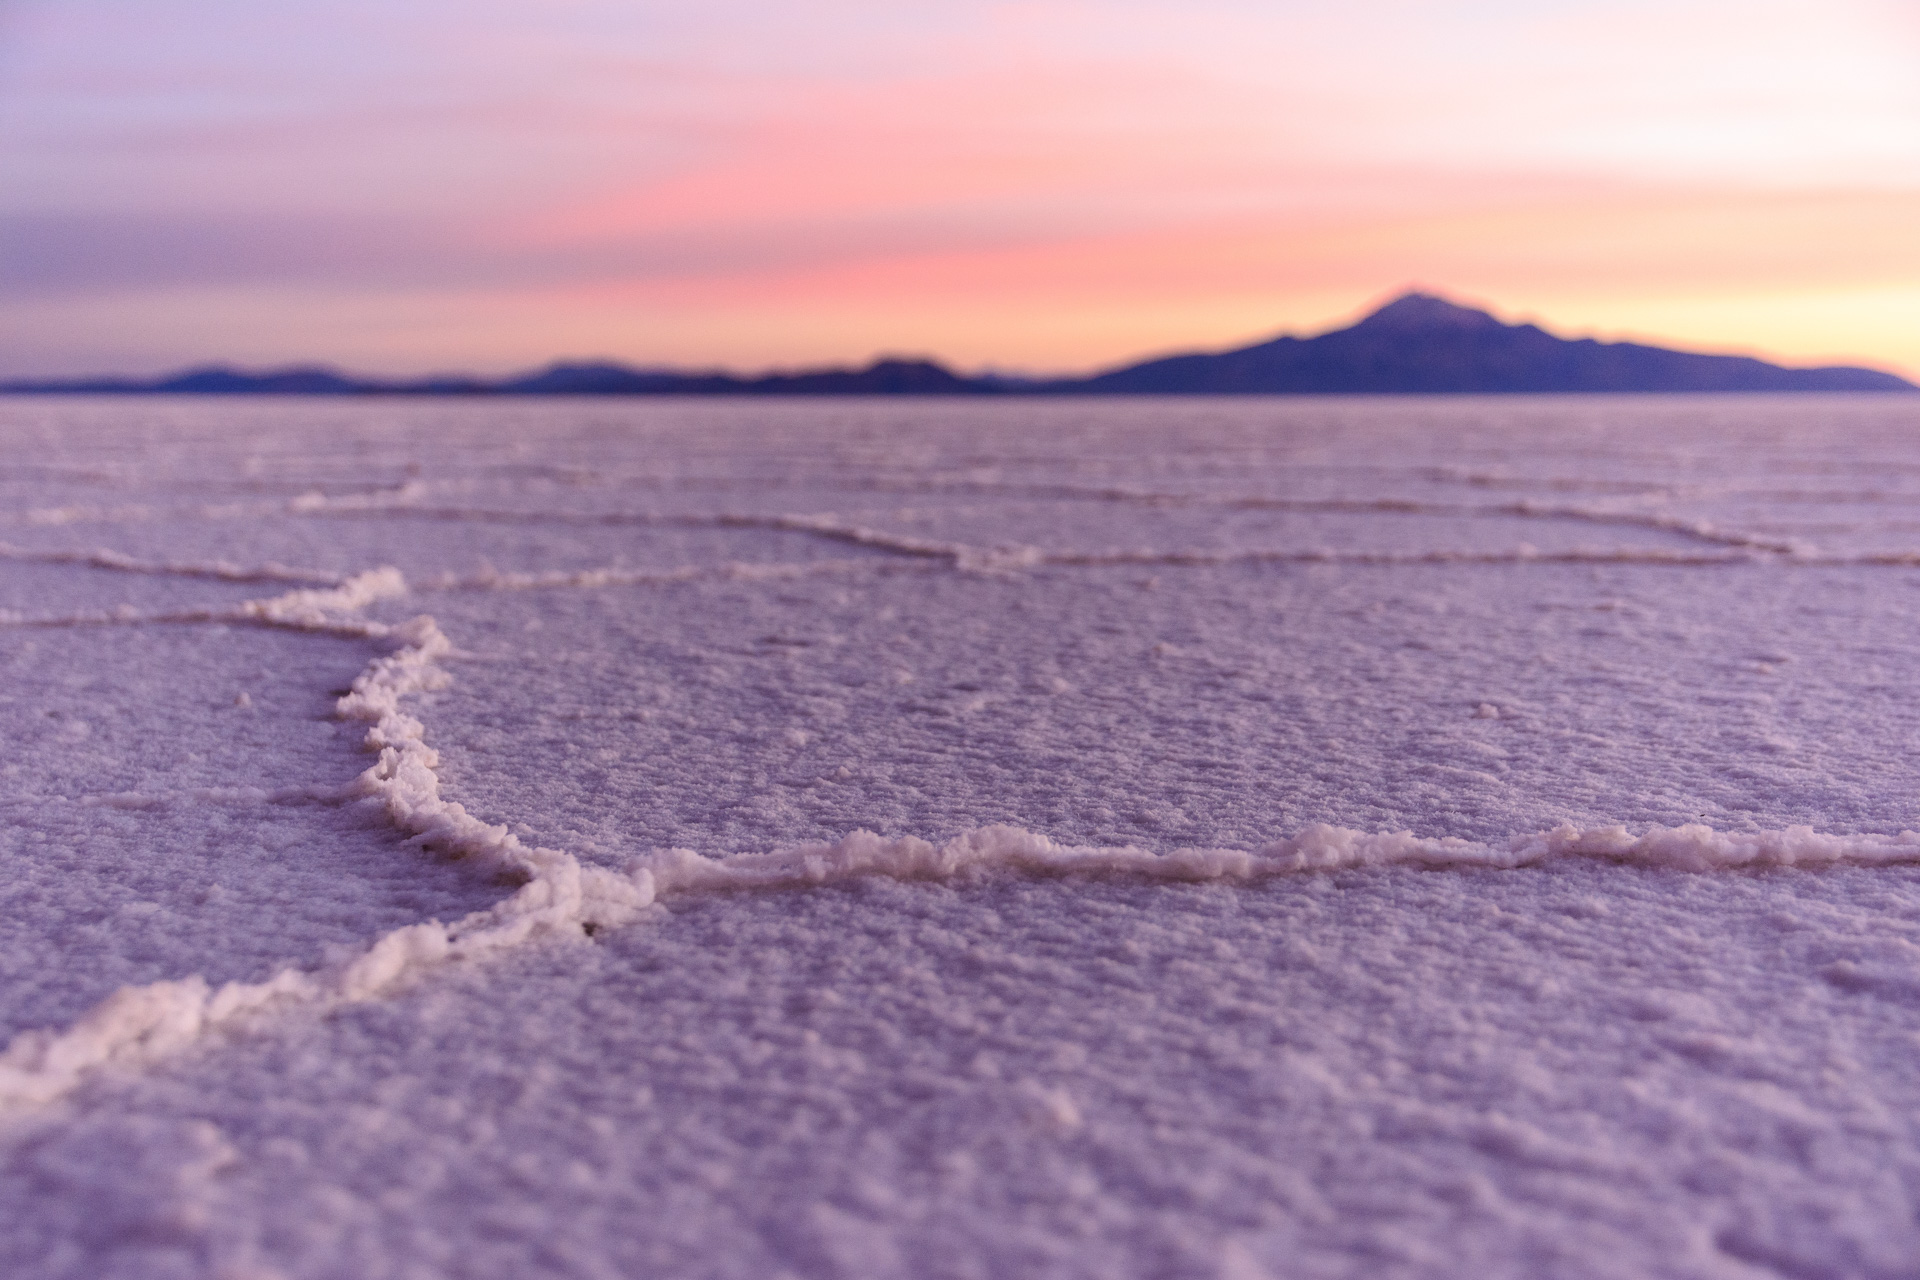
1422	344
211	380
601	378
881	378
1418	344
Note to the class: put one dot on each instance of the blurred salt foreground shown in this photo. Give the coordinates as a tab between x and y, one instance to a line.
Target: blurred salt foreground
1315	838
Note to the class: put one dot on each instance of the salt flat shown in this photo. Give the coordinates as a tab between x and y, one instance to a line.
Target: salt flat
1308	838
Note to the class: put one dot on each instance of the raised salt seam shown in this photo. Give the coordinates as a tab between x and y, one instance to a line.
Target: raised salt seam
139	1024
559	896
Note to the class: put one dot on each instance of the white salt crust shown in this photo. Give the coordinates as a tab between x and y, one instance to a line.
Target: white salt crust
567	523
562	896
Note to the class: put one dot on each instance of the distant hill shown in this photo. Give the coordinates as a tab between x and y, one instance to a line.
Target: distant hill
1422	344
1418	344
881	378
602	378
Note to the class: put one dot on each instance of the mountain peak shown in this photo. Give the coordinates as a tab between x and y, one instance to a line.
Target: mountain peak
1416	312
1419	343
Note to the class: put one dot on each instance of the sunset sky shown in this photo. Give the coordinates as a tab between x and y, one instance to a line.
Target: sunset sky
408	186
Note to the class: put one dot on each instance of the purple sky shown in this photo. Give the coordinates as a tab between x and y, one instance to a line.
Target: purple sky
411	186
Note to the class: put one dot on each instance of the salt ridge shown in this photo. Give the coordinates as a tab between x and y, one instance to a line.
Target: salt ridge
1740	546
409	500
217	569
617	576
558	896
829	526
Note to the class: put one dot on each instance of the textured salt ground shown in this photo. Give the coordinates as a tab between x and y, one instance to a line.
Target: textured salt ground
426	545
242	707
1574	1069
151	827
31	590
1593	1071
972	470
1216	706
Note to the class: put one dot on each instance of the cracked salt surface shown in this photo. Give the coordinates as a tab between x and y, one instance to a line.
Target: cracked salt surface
1315	838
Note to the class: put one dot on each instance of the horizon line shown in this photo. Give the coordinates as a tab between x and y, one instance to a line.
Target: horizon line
1013	378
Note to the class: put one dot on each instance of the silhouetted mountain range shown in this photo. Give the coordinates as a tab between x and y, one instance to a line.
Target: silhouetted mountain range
1416	344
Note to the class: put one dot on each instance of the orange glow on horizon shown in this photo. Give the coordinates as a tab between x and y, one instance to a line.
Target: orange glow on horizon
1662	266
1041	184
